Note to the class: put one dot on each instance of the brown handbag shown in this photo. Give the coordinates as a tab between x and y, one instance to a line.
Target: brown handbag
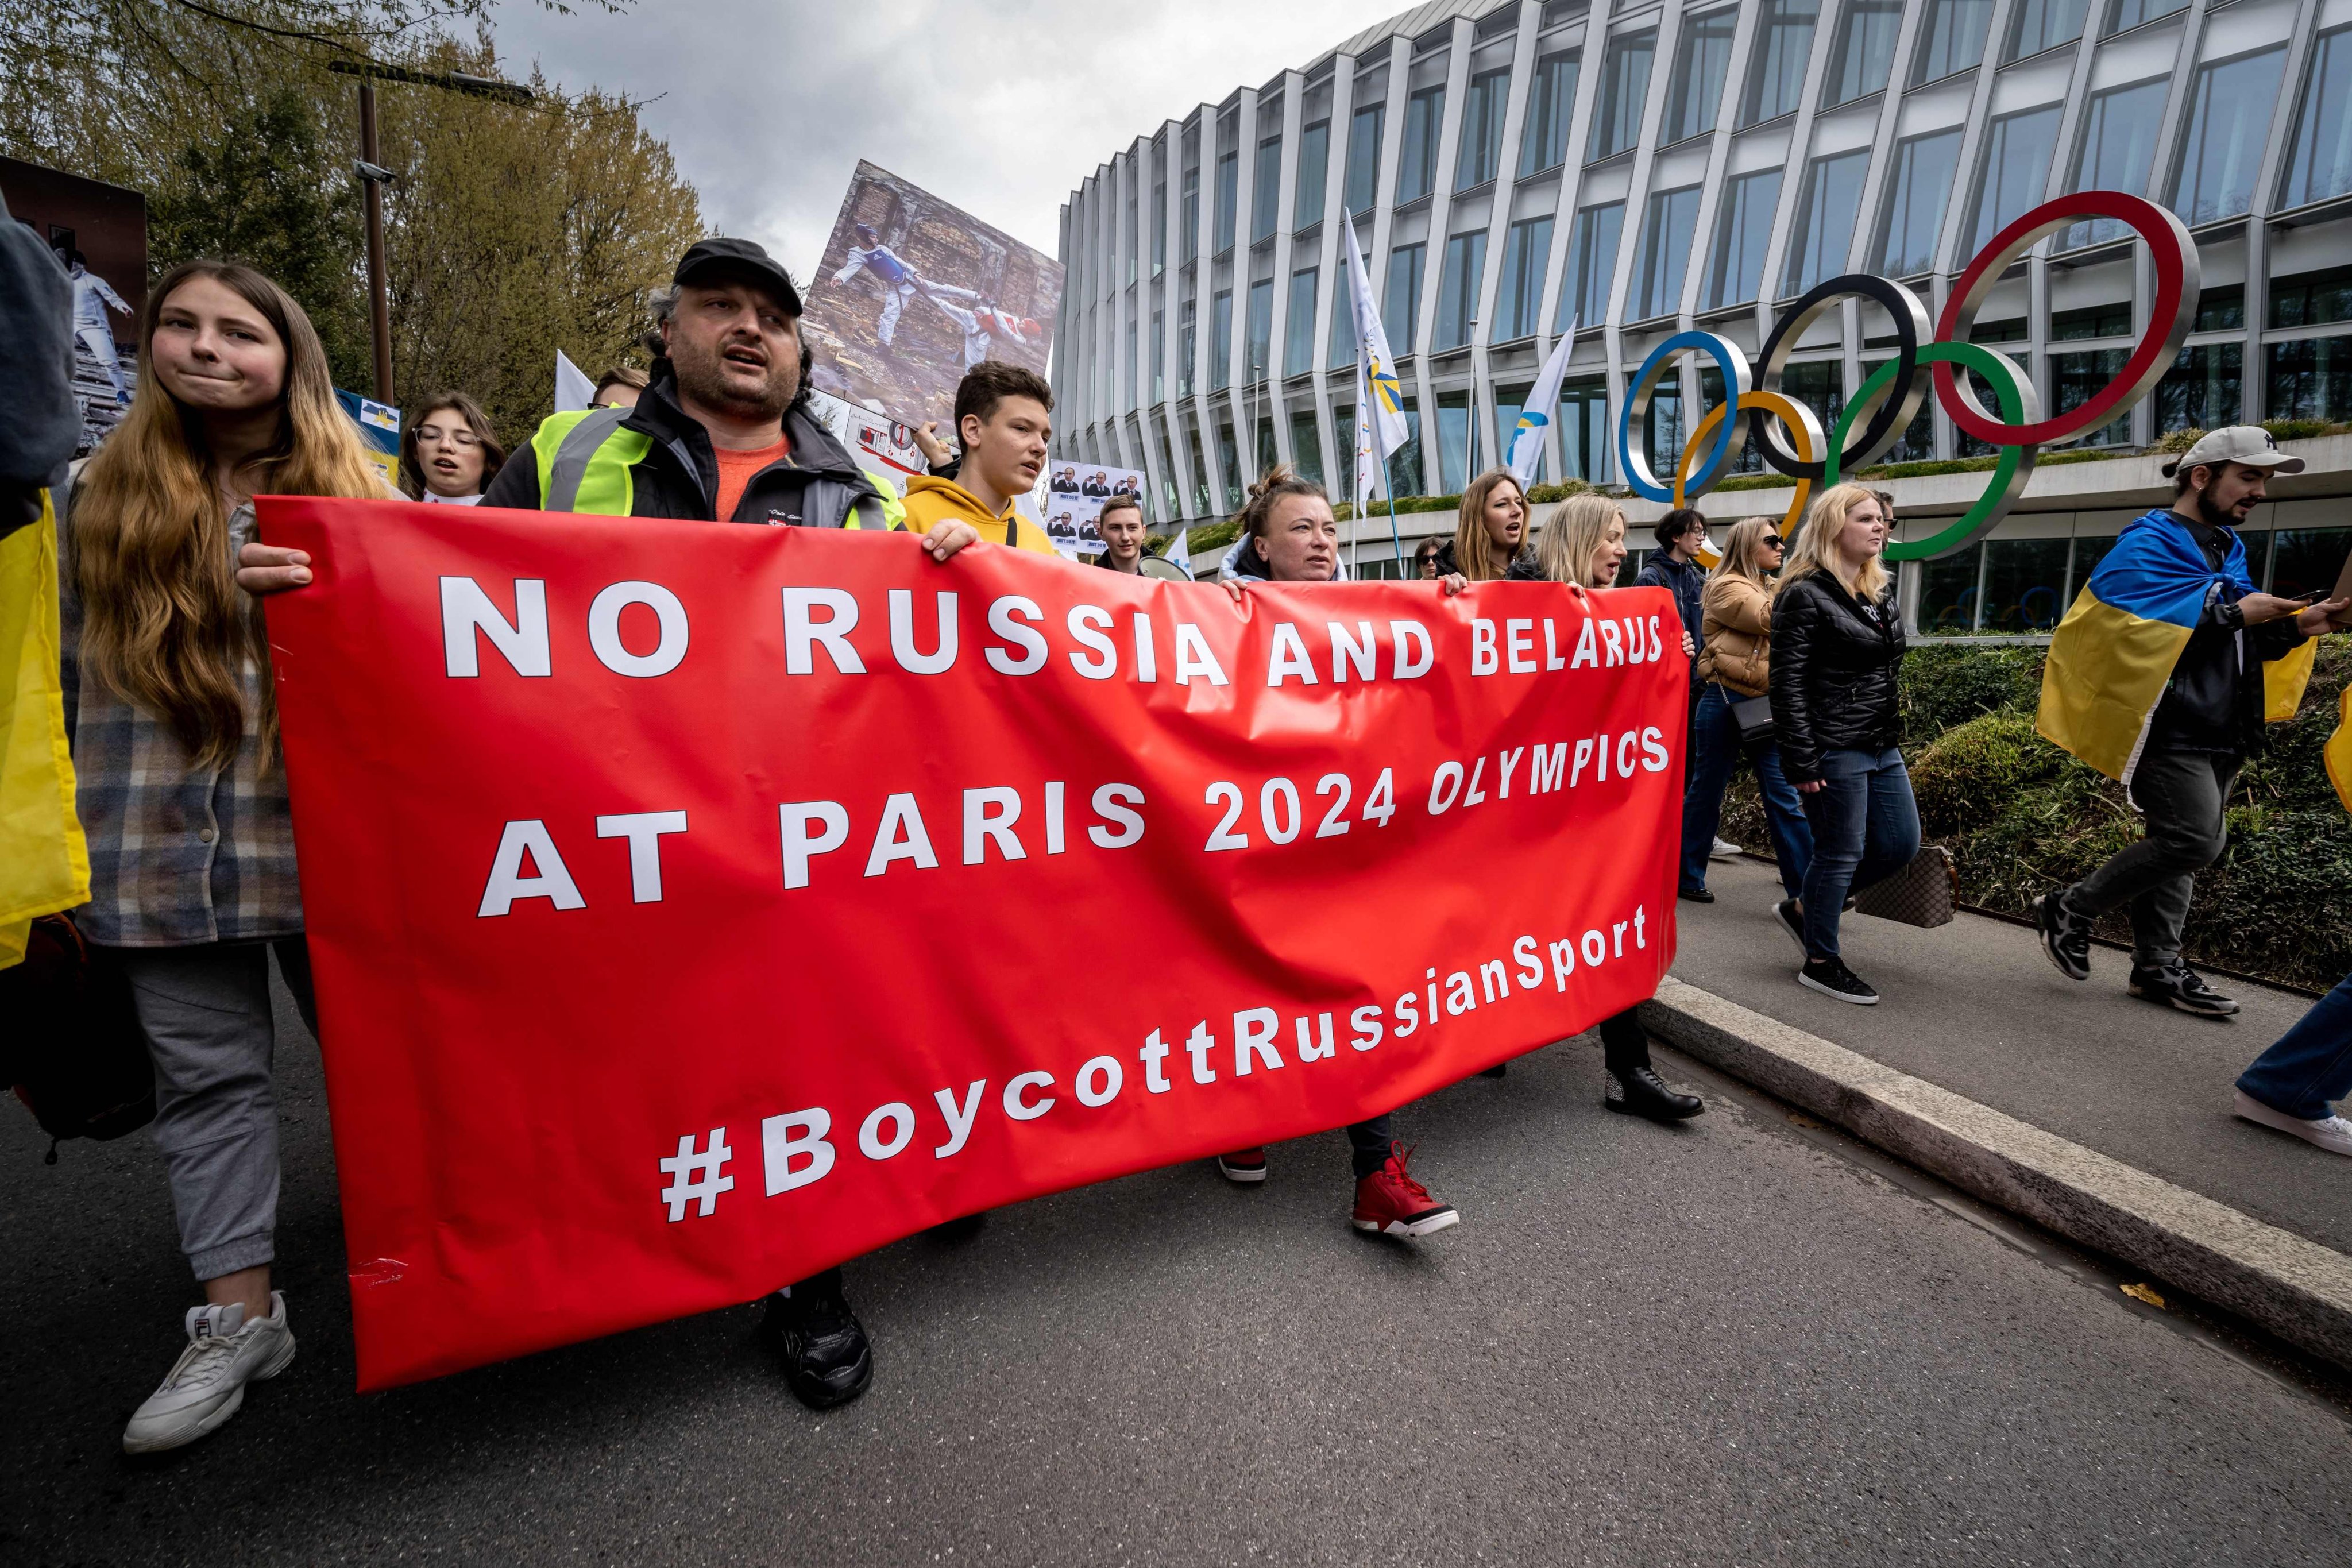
1921	894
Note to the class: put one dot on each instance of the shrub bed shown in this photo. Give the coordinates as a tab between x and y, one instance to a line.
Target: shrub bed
2022	817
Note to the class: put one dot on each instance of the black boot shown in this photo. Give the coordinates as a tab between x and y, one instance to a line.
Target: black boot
1640	1091
827	1359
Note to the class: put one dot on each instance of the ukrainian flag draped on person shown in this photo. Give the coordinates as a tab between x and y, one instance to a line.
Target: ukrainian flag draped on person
2116	648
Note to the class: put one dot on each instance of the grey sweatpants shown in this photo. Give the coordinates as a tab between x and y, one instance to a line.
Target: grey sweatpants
205	1012
2182	794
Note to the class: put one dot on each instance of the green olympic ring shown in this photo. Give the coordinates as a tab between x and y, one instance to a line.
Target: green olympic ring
2011	391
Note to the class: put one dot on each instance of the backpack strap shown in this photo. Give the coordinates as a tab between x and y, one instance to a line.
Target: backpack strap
571	463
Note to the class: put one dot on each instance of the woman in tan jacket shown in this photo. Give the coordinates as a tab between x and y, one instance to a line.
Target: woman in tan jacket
1735	612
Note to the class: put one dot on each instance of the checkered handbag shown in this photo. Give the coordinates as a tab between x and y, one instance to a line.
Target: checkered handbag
1921	894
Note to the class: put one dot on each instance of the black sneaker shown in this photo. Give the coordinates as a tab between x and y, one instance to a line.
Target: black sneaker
2182	987
1696	894
1830	977
1787	916
827	1361
1500	1070
2065	935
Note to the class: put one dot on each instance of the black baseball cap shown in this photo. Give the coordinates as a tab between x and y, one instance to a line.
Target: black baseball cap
708	259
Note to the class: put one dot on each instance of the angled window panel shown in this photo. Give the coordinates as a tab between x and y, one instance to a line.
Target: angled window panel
2119	148
1299	325
1401	305
1823	233
1527	249
1951	38
1364	156
1480	156
2039	25
1776	75
1220	341
1624	85
1313	172
1266	188
1591	265
2319	157
1916	198
2016	169
1744	227
1864	57
1703	57
1257	332
1543	137
1229	174
2126	14
1457	289
1673	220
2222	145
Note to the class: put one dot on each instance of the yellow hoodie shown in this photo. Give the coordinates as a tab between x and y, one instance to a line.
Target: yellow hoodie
930	500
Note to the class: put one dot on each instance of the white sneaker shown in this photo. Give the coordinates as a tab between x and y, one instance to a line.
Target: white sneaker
2332	1133
206	1386
1724	850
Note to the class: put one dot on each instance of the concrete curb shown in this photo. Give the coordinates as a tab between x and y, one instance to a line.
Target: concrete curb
2295	1288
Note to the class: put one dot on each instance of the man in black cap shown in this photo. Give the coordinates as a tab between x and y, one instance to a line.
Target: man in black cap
723	433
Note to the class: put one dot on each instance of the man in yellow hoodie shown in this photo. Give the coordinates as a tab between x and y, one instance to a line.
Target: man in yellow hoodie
1004	416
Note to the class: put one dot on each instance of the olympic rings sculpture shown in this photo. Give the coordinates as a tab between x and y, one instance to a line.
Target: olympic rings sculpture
1891	397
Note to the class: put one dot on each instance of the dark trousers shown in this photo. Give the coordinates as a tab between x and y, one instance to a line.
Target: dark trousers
1367	1141
2312	1063
1714	750
2181	794
1865	828
1625	1045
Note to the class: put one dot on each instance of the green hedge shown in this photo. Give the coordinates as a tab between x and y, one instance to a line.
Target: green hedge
2022	817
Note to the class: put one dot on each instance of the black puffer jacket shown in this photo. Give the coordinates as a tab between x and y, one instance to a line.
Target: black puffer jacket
1832	678
1522	569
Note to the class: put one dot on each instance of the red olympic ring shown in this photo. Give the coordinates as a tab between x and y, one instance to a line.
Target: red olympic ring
2179	277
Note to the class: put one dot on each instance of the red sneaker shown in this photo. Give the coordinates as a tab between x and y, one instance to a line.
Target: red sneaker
1388	1202
1243	1166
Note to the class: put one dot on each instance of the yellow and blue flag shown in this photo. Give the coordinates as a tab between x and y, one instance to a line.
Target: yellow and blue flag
2115	651
44	864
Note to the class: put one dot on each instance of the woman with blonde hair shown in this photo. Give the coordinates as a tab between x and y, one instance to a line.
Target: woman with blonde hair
181	791
1734	662
1838	643
1489	541
1584	543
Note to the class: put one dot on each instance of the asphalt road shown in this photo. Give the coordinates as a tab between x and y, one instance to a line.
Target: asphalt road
1977	1007
1728	1342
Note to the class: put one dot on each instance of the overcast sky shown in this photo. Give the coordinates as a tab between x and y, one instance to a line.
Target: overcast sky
999	107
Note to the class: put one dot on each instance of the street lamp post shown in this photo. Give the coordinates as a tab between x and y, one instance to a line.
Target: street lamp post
375	176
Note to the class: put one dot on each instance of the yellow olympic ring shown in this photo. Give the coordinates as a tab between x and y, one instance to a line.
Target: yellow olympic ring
1803	423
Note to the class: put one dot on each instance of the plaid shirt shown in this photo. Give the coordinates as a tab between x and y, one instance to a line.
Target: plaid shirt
178	854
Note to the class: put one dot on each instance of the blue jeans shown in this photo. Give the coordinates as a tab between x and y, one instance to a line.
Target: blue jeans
1715	751
2312	1063
1865	828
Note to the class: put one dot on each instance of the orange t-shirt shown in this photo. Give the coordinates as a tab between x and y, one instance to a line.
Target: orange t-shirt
736	469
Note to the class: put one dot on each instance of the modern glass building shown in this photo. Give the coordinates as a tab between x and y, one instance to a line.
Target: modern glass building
1645	167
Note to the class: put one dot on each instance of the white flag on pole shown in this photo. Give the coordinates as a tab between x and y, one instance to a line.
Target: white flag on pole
1526	440
574	391
1381	426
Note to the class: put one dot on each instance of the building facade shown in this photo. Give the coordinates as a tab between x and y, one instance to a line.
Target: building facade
1645	167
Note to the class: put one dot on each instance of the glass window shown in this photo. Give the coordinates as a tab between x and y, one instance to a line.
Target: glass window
1133	371
1819	385
1584	429
1159	225
1313	172
2024	584
1453	442
1527	250
1699	75
1624	83
2119	129
2229	115
2003	331
1229	461
2309	380
1784	37
1132	199
1543	142
1204	503
1261	455
1480	158
2204	390
1343	318
2310	299
1220	341
2123	14
1424	118
2109	321
1823	235
1171	492
1915	200
1306	445
1917	443
1405	463
1229	174
1665	252
1189	245
1952	37
2307	560
1508	403
2076	378
1948	593
2039	25
1299	325
2320	158
1591	266
1402	306
2016	169
1864	55
1364	157
1743	226
1257	338
2221	309
1457	289
1668	430
1187	347
1159	356
1266	188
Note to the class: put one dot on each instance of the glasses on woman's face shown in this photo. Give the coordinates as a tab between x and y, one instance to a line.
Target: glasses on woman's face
461	438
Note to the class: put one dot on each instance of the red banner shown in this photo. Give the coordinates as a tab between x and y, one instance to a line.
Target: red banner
693	908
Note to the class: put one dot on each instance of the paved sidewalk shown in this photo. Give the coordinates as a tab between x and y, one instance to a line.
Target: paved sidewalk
1974	1007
